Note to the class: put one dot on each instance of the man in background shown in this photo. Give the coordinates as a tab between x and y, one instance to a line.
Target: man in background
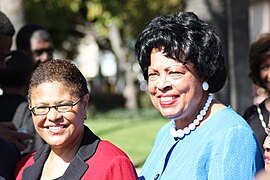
36	41
7	32
9	153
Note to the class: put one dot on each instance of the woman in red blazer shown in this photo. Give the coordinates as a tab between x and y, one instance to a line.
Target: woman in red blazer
58	100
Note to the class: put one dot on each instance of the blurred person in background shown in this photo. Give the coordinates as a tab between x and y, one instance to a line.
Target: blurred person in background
58	99
181	59
257	115
14	80
36	41
9	157
9	153
7	32
8	130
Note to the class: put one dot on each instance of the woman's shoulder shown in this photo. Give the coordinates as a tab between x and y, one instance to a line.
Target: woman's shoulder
228	118
109	149
25	162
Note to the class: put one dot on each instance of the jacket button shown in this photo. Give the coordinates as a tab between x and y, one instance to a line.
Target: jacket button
156	177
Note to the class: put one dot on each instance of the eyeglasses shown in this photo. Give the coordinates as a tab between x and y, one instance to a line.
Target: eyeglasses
62	108
39	52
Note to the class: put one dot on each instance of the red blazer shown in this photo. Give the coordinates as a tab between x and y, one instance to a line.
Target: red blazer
96	159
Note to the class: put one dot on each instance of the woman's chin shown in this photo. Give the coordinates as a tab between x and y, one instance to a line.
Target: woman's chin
171	115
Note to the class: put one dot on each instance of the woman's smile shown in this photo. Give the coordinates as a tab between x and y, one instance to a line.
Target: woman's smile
174	87
167	100
56	128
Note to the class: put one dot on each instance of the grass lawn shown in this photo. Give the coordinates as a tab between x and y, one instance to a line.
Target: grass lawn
135	136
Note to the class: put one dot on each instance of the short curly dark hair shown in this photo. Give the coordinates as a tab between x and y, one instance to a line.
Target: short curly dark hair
186	38
6	27
63	71
259	52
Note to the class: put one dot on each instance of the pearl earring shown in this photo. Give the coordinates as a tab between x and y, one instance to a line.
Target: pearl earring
205	86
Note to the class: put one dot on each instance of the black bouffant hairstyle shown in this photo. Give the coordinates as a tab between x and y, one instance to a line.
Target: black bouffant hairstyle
185	38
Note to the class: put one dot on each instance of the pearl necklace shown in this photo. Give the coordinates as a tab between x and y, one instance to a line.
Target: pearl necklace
180	133
261	119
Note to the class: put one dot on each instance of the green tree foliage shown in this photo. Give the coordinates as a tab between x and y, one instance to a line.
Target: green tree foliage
61	18
65	18
115	25
130	15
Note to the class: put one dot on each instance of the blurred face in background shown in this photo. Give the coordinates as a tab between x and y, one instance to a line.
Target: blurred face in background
42	51
5	45
265	73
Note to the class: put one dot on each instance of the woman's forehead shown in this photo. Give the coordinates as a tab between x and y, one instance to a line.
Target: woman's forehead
50	88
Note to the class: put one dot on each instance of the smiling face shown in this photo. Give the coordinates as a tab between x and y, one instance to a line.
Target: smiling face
175	89
60	130
265	73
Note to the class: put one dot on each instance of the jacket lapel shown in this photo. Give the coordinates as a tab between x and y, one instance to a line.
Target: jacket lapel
34	171
77	167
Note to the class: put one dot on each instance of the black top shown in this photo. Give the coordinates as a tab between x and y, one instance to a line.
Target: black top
9	157
9	104
252	117
78	166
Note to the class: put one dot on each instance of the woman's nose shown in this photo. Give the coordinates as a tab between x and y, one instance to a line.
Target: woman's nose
53	115
163	82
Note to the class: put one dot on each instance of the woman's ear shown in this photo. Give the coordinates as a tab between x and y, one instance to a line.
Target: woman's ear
85	101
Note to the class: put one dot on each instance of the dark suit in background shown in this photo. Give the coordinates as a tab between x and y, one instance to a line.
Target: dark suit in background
9	157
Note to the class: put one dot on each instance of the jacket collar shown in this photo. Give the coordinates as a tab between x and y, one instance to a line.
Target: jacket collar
77	167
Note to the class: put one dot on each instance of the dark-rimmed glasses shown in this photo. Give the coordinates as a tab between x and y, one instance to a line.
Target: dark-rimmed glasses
62	108
39	52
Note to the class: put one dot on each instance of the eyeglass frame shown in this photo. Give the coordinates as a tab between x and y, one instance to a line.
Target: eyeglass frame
32	109
39	52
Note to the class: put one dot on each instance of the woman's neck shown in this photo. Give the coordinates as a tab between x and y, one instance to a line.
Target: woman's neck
182	123
60	158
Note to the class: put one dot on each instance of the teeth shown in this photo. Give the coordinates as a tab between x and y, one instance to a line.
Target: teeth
55	128
166	98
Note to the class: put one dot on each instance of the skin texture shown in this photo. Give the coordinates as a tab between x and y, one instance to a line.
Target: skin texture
265	73
37	44
267	153
65	139
54	93
175	89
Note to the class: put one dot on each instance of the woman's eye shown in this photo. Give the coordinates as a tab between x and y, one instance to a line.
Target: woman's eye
175	72
153	74
41	107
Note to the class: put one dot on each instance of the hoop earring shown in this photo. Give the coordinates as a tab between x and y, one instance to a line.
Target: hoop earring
205	86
